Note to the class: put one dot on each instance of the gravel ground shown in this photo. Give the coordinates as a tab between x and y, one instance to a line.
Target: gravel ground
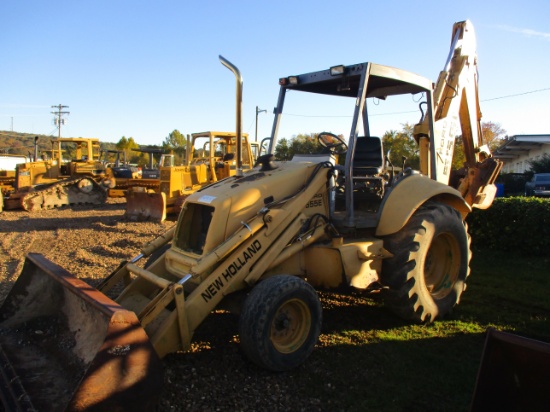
213	376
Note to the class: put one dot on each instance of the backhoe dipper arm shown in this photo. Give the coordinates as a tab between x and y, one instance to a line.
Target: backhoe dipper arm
456	102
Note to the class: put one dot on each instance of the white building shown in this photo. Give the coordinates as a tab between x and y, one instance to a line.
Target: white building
521	148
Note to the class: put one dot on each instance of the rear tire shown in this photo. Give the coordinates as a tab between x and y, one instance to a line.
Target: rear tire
428	272
280	322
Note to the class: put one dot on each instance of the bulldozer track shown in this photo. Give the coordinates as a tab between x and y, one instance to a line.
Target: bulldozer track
83	190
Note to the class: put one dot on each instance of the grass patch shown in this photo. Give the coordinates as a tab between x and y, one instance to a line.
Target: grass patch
367	359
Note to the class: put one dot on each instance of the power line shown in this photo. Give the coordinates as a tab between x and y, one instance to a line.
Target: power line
416	111
515	95
305	115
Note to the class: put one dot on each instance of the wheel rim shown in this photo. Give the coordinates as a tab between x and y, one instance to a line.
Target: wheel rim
290	326
442	265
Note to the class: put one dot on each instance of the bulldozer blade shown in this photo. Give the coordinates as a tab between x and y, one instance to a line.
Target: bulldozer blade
65	346
145	206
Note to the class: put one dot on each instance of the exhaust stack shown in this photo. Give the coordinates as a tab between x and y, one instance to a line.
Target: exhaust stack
237	73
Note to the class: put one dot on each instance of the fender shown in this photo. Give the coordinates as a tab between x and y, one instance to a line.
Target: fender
411	193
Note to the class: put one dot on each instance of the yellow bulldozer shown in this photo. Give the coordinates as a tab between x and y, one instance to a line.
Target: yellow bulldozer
117	168
52	182
261	242
8	164
210	157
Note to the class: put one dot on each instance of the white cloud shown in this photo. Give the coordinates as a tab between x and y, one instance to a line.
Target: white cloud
22	106
526	32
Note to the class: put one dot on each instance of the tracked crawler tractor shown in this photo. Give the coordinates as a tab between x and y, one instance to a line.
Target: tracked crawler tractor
259	243
118	170
52	182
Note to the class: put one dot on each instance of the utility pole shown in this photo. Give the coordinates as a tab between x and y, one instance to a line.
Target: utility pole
59	120
257	111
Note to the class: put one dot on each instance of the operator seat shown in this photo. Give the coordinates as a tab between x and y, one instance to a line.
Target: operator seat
369	158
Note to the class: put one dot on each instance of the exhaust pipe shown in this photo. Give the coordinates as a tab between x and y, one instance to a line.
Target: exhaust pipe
237	73
35	149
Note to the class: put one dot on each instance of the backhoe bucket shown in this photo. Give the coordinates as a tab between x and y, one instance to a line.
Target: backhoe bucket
145	206
65	346
513	374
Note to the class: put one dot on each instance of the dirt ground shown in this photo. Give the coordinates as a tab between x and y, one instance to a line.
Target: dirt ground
90	242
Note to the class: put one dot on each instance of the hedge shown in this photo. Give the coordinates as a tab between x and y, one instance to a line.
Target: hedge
514	224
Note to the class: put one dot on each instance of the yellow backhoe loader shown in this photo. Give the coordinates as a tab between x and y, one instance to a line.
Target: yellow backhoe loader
210	157
52	182
260	242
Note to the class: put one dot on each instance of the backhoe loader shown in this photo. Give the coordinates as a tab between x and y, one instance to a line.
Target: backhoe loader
53	182
210	156
260	242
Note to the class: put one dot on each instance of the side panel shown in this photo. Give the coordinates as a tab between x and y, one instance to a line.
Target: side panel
356	264
363	261
408	195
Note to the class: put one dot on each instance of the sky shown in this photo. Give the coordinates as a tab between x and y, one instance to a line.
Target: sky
142	69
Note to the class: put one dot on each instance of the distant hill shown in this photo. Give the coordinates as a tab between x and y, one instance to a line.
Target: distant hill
23	143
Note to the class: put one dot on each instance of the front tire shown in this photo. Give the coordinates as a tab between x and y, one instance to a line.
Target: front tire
280	322
431	262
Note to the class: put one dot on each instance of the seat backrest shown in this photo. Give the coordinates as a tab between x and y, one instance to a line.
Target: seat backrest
369	157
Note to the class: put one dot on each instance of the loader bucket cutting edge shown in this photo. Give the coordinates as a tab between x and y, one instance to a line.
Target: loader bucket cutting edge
66	346
146	206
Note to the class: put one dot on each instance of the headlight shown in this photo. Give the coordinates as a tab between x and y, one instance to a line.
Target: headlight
337	70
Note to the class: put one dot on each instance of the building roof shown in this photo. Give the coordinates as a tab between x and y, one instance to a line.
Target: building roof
521	144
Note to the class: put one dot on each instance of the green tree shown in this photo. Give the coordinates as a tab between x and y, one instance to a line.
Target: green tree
282	150
175	142
541	165
459	157
300	144
127	145
401	144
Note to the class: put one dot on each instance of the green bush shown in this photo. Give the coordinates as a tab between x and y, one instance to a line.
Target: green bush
515	224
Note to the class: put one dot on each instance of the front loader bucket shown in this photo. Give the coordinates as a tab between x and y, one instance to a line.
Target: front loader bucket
65	346
145	206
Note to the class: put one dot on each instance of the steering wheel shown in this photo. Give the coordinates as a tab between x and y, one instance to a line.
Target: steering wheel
333	143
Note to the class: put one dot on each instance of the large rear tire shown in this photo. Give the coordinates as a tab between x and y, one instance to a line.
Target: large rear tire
280	322
431	262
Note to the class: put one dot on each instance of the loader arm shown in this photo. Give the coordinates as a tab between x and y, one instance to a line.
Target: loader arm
235	264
